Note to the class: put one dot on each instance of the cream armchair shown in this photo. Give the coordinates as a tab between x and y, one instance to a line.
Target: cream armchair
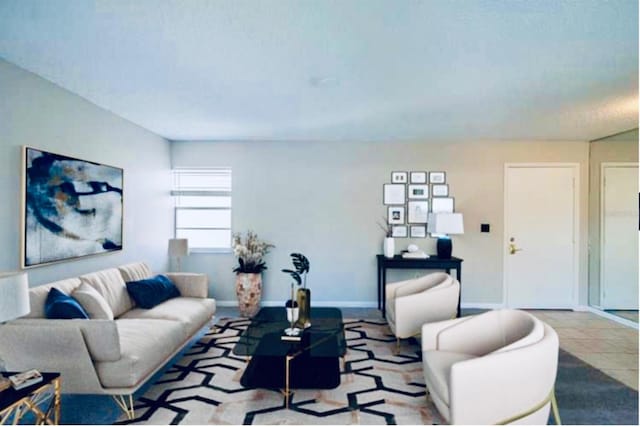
498	367
412	303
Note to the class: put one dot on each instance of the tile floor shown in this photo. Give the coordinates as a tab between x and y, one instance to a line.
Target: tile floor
602	343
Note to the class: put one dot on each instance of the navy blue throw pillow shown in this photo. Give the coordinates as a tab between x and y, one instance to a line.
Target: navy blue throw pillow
148	293
62	306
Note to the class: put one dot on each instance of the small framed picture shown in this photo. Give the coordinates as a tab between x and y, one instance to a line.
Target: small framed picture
418	177
399	177
442	204
437	177
396	214
393	194
418	231
399	231
418	191
440	190
418	212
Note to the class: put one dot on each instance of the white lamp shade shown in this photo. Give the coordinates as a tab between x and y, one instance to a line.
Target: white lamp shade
14	296
445	223
178	247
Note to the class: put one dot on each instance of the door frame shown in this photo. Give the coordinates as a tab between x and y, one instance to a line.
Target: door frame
575	167
603	166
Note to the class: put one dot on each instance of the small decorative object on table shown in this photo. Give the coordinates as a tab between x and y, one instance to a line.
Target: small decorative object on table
249	271
25	379
389	244
302	265
292	333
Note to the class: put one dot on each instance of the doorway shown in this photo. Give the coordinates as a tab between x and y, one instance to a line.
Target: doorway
540	235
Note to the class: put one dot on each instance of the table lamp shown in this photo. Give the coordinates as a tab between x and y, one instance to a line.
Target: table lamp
443	224
14	298
178	248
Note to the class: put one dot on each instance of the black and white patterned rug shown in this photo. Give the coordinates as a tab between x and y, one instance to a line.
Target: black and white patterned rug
377	386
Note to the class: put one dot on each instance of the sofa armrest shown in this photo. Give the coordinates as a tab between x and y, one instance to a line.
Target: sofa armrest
100	336
191	284
50	349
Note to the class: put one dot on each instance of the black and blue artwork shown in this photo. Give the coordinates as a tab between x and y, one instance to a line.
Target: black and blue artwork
73	208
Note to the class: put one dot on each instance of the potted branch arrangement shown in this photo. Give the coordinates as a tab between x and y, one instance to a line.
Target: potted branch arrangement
250	253
389	244
303	299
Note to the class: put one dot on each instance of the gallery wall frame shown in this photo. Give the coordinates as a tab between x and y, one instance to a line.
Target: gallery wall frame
440	190
418	231
395	215
437	177
399	231
70	208
418	191
418	177
399	177
393	194
442	204
417	212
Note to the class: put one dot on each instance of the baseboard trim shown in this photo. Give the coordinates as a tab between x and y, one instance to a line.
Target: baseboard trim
609	316
345	304
482	305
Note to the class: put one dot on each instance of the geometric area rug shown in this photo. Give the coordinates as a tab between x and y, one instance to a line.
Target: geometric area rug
377	386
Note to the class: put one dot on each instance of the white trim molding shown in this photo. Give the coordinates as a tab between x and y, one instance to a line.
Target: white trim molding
622	321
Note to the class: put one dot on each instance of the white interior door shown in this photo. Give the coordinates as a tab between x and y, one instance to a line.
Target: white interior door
540	225
619	237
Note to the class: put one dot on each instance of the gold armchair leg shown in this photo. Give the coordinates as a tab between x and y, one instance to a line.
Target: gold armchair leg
554	407
125	402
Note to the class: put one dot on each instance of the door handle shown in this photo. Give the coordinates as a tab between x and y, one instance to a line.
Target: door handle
513	249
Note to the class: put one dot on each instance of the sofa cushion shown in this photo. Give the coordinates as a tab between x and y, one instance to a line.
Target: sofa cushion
38	295
62	306
111	286
192	313
437	370
148	293
135	271
93	303
144	345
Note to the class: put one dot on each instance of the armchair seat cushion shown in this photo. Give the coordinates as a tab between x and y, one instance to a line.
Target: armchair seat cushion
144	345
190	313
437	370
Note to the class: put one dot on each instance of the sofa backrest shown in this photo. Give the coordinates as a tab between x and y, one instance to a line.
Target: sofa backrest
38	295
110	284
135	271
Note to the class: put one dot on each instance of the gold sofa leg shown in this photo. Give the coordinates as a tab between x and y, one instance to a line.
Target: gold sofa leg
125	402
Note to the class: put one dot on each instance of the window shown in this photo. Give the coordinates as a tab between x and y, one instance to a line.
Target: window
203	208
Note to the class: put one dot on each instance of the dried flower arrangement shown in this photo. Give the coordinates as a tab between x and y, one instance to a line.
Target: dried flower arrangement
250	253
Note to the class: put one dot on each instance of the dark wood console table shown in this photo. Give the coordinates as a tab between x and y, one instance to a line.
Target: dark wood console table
397	262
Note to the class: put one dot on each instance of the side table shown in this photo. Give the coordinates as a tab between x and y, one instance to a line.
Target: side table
41	399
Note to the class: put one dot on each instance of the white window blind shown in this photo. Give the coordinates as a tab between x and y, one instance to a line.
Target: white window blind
203	208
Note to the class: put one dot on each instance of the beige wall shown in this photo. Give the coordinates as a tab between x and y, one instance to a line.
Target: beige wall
39	114
323	199
622	147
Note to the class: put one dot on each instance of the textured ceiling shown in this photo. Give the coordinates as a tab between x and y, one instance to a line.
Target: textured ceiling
340	70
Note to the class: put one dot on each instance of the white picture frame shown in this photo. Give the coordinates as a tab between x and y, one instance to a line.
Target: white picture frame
399	231
440	190
418	191
399	177
437	177
418	231
395	215
417	212
393	194
442	204
418	177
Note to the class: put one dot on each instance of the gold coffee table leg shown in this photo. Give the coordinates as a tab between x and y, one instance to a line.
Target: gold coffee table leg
287	378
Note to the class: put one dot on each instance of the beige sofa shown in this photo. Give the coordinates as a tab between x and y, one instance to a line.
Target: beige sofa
107	356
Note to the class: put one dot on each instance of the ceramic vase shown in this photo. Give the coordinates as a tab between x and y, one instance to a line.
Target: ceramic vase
293	314
389	247
248	292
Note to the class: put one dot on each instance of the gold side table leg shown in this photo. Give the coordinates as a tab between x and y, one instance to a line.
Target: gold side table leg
57	391
286	380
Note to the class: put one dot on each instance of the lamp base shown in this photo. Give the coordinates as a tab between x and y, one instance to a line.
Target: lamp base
444	247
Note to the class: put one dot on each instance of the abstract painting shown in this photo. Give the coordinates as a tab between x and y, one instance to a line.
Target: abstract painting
72	208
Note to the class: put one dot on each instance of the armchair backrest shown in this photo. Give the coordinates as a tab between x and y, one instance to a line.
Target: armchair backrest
493	331
423	283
